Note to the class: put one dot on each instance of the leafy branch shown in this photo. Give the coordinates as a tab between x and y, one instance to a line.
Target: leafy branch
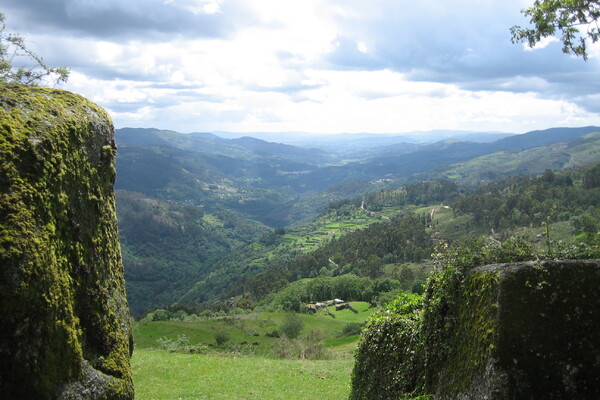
577	20
12	47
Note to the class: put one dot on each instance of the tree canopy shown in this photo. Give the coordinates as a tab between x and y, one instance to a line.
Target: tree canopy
576	21
13	48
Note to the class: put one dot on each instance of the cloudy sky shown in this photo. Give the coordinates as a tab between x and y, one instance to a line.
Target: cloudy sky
321	66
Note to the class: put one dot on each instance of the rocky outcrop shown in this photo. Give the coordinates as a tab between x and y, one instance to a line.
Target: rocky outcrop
527	330
64	319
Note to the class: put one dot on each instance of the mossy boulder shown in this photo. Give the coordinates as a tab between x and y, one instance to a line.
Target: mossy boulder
527	330
64	319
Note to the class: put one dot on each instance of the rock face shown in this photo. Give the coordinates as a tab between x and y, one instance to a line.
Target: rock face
526	331
520	331
64	319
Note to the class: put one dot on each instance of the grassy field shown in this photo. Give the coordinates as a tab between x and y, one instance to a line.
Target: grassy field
162	375
314	234
251	328
243	368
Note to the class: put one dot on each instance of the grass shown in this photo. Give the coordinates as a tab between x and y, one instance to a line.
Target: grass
248	328
161	375
224	373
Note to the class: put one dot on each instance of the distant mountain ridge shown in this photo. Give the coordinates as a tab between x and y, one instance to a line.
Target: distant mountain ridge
349	141
269	164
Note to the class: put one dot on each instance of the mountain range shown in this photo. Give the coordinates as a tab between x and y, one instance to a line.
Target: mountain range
188	201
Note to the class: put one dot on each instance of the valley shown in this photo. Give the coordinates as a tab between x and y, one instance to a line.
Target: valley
203	218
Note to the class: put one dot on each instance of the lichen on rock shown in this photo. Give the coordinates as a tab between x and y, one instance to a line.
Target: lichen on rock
64	316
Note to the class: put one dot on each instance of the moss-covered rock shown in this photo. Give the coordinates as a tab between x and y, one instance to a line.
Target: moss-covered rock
526	330
64	319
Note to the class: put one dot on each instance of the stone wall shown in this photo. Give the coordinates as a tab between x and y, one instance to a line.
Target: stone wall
64	319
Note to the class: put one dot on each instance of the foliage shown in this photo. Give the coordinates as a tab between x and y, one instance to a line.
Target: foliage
389	355
362	253
351	329
591	178
405	344
426	192
221	338
167	246
347	287
576	20
527	201
309	347
12	49
291	326
181	344
161	315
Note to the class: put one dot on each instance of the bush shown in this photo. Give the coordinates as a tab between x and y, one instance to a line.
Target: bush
181	344
291	326
418	287
161	315
351	329
221	338
388	353
285	348
309	347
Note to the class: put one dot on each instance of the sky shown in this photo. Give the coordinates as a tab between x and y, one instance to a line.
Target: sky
318	66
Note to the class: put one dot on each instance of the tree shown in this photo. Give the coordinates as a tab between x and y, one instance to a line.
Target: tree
577	20
12	47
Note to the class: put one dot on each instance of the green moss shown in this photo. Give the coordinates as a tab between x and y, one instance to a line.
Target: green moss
388	364
523	330
61	285
473	340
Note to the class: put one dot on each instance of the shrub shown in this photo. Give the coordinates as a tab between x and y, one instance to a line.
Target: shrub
418	287
387	359
182	343
351	329
221	338
309	347
161	315
291	326
285	348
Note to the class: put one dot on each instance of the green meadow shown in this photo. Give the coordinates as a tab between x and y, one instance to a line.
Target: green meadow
159	375
245	365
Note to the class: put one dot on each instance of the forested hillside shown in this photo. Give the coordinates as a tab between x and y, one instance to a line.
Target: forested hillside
553	211
168	246
203	218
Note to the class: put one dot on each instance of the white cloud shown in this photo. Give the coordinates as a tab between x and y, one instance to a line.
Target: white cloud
323	66
542	44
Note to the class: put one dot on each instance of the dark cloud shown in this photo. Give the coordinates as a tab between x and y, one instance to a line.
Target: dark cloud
591	103
463	42
121	19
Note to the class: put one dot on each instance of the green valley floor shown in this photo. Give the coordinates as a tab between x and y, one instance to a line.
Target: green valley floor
162	375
